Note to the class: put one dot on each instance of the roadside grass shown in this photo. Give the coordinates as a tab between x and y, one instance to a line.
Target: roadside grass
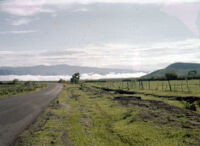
86	116
7	89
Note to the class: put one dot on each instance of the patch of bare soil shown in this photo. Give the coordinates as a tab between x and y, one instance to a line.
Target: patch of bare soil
161	113
127	98
157	112
116	90
189	99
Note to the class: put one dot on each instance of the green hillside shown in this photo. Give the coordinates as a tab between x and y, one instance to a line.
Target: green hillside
180	69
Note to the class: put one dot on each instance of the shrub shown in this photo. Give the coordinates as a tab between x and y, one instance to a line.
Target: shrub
61	81
28	83
171	76
15	81
190	106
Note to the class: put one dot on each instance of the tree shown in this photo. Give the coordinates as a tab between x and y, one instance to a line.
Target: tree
28	83
15	81
192	73
61	81
75	78
170	76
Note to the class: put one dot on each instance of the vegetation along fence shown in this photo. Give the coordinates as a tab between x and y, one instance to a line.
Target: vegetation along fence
173	85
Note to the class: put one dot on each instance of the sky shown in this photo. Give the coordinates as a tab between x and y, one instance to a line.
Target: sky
142	35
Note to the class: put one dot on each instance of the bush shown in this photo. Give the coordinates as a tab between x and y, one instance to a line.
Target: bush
198	103
190	106
15	81
171	76
28	83
61	81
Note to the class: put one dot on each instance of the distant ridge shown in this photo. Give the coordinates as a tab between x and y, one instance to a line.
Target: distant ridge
179	68
53	70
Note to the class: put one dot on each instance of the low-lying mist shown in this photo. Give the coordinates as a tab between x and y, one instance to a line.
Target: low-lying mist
91	76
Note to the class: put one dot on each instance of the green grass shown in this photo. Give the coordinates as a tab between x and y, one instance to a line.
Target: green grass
159	90
86	116
7	89
178	86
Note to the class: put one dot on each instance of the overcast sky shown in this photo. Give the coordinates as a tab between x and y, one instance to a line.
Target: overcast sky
142	35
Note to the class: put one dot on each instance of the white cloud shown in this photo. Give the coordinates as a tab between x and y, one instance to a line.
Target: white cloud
18	32
21	7
24	7
22	21
31	7
95	76
131	56
47	11
81	10
118	1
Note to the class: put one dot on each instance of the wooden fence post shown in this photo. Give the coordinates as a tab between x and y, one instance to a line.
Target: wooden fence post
187	85
181	86
142	85
170	88
149	85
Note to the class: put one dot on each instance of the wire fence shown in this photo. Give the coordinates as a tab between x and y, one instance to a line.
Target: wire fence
173	86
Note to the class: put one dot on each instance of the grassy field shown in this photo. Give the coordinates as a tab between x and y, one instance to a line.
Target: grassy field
184	93
180	86
9	88
86	115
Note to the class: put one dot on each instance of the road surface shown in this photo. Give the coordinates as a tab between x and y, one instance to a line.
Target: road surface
18	112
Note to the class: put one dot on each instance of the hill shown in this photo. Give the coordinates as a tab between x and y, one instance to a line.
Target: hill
178	68
57	70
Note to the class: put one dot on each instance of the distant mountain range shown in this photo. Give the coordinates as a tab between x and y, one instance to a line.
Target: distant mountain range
57	70
178	68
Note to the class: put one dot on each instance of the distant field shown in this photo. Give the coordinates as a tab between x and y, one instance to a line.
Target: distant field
86	114
9	88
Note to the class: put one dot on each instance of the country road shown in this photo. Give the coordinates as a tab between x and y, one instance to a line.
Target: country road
18	112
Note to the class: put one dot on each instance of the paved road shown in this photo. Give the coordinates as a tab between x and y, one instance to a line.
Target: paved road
17	112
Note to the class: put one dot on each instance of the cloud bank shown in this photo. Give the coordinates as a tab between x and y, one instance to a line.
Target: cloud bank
18	32
90	76
130	56
31	7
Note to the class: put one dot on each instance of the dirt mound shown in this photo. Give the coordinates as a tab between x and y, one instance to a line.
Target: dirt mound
189	99
117	90
127	98
161	113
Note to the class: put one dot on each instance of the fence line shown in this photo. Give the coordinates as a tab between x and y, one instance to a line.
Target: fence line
175	85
